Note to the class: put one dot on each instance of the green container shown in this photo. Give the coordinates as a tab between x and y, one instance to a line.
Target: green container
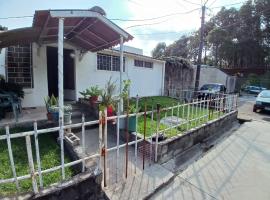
132	124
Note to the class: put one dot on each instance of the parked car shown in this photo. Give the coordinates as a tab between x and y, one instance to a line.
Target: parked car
210	90
262	101
253	89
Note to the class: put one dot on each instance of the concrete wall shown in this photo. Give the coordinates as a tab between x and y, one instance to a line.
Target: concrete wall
2	62
145	81
83	186
173	146
210	74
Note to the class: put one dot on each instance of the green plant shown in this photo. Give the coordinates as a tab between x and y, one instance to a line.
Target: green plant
107	95
55	108
11	87
50	102
91	92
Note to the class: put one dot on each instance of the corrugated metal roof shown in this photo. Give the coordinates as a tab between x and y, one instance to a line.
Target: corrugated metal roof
91	33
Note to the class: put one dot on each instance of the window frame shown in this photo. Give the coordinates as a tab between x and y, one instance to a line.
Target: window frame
112	62
143	64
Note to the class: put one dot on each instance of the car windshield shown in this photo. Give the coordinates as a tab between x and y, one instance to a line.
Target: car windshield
265	94
210	87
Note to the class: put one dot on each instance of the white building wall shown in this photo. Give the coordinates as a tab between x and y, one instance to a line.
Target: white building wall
35	96
3	62
144	81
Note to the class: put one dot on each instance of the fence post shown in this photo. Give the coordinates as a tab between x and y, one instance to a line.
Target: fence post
117	140
152	128
127	137
100	138
31	163
144	132
208	109
105	147
11	158
83	142
157	132
188	116
61	137
196	112
136	135
38	155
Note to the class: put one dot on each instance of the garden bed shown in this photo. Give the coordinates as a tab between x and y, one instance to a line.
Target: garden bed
165	102
49	154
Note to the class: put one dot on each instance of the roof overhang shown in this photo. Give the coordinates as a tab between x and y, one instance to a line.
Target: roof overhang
85	29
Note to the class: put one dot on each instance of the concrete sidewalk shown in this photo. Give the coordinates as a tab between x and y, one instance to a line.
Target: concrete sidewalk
237	168
140	185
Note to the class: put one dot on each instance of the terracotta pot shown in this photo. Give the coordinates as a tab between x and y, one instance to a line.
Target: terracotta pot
49	116
93	99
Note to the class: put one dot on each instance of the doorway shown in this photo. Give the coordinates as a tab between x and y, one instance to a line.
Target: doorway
68	73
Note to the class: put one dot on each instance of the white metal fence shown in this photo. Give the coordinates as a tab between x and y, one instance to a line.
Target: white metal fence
130	157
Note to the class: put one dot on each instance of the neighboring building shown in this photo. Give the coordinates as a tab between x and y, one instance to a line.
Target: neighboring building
211	74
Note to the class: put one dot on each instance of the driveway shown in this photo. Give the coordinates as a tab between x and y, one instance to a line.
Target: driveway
237	168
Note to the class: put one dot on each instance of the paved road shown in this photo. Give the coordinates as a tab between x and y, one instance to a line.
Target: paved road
237	168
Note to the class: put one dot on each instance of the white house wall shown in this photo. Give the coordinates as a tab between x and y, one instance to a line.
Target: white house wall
35	96
144	81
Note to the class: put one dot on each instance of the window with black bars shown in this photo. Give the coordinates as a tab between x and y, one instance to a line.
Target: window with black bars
141	63
109	62
19	65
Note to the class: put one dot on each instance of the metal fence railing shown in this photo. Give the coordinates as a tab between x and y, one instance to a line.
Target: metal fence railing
137	151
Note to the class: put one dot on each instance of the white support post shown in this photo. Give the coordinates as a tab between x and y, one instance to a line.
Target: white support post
31	163
61	90
105	146
10	154
38	155
121	71
196	112
83	143
188	116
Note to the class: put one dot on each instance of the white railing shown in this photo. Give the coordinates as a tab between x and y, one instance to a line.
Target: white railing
193	114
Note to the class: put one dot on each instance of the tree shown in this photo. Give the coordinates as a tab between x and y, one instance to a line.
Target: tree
159	50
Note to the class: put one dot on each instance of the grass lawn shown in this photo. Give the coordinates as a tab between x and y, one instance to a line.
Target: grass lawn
167	102
50	157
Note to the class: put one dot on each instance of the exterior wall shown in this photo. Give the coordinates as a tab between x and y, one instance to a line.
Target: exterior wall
170	148
2	62
178	77
211	74
145	81
35	96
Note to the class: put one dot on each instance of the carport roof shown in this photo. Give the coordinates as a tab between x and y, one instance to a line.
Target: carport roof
85	29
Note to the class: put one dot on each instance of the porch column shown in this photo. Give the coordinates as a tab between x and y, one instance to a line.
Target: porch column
61	90
121	70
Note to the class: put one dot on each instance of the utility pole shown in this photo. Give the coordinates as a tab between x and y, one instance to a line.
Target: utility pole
199	62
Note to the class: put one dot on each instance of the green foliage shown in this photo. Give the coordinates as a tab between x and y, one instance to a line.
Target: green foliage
233	38
107	95
11	87
91	92
50	102
49	154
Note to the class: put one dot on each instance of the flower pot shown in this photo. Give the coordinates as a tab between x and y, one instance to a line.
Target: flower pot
55	116
132	124
67	118
109	111
93	99
49	116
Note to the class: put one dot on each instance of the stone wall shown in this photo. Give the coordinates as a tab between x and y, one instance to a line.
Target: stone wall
178	77
173	146
83	186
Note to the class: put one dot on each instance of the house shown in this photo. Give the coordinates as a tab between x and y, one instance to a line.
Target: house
88	57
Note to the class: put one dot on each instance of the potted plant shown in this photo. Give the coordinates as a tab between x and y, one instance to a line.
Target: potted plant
108	99
131	108
50	102
91	93
67	113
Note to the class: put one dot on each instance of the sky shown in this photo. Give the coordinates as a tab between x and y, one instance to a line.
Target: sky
146	35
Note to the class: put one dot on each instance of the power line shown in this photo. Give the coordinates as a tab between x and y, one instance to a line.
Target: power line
17	17
232	4
212	3
161	21
190	2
